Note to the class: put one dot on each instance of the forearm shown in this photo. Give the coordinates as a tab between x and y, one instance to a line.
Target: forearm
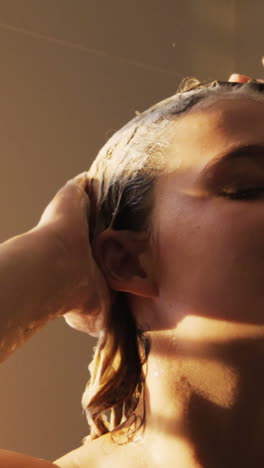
30	287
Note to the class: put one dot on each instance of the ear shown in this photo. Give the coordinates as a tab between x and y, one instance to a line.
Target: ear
124	258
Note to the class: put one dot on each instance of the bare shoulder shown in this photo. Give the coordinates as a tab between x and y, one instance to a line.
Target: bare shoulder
88	455
98	453
20	460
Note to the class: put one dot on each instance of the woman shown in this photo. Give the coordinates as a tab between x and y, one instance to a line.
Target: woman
176	226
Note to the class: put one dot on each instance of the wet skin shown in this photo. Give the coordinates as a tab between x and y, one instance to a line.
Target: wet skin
204	383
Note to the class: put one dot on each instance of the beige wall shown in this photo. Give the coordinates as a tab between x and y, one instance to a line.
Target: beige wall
72	71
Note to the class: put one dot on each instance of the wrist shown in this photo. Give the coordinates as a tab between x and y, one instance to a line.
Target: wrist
52	280
33	285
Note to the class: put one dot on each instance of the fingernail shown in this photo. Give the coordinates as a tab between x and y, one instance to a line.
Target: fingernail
237	77
233	77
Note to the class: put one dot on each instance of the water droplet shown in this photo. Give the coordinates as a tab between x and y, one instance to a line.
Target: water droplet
137	440
31	325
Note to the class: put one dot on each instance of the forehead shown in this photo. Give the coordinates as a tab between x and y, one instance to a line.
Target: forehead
201	135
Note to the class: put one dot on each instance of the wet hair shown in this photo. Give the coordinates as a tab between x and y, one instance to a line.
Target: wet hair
121	183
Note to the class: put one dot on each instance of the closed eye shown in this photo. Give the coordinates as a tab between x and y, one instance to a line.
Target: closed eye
251	193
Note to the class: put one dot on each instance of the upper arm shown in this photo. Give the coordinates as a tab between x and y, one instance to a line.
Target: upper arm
20	460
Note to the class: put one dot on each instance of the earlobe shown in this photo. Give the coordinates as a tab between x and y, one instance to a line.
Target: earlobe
122	256
136	285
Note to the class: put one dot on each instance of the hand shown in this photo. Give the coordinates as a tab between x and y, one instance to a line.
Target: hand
238	78
87	295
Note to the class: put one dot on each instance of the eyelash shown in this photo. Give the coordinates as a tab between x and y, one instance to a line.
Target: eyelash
245	194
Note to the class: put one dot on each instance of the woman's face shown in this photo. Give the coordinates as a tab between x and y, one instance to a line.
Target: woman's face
209	216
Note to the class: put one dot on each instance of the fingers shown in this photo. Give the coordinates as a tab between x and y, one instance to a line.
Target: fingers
238	78
81	180
80	177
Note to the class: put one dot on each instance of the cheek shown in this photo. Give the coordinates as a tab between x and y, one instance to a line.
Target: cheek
212	260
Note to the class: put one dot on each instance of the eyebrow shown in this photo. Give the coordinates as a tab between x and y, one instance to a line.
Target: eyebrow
249	150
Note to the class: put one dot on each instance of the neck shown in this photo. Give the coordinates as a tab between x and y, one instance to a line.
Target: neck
204	397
